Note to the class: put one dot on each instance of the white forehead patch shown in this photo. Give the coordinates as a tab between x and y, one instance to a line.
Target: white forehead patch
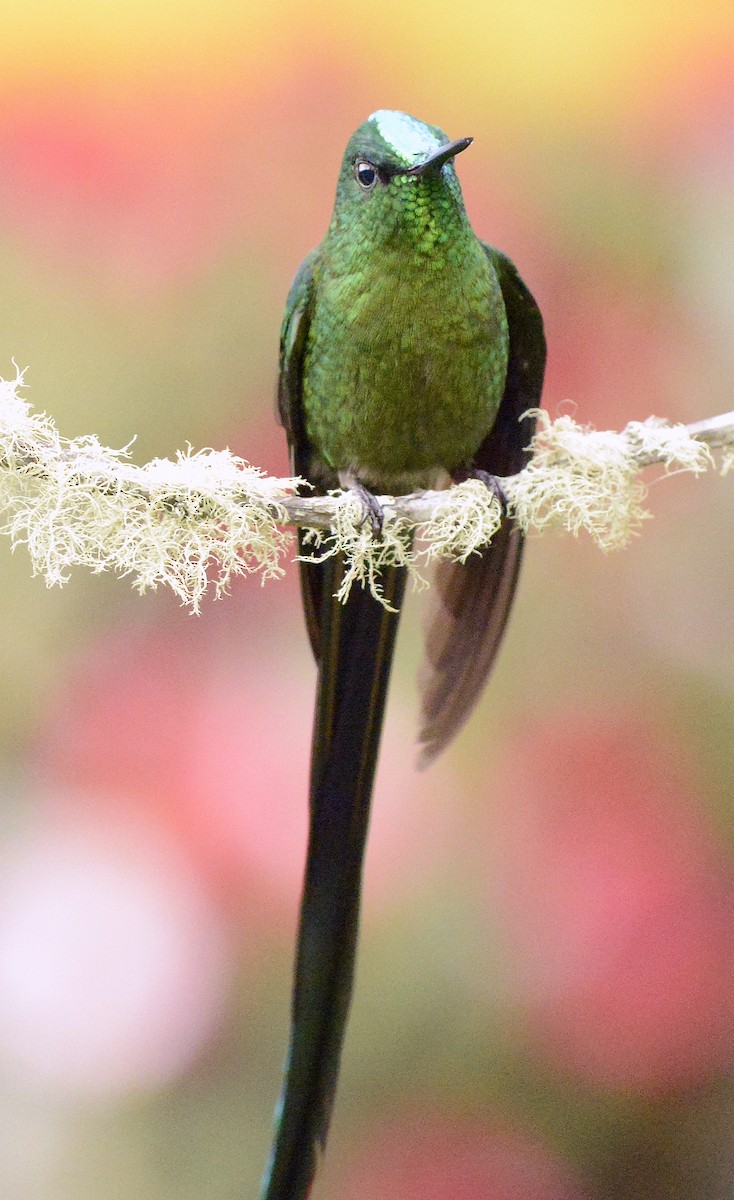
410	139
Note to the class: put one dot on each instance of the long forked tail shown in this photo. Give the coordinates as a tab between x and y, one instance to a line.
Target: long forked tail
356	649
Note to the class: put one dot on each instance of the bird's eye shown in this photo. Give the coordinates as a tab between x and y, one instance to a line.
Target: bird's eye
366	174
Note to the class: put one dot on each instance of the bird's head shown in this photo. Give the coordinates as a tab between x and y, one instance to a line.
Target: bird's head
397	177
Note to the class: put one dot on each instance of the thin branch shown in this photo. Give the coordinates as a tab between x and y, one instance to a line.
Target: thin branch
204	517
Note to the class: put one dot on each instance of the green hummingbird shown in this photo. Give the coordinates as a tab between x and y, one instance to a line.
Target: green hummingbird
409	351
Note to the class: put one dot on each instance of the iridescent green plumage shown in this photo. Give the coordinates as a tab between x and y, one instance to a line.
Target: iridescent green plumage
407	348
409	351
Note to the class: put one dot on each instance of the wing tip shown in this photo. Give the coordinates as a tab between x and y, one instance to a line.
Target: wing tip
431	744
425	756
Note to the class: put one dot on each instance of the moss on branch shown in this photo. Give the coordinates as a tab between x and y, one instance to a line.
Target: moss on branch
196	521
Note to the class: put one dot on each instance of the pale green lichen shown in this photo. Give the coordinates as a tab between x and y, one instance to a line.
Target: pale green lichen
465	521
201	519
579	479
727	462
365	555
587	479
670	445
196	521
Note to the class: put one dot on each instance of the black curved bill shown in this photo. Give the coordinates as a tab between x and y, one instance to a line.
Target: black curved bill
432	165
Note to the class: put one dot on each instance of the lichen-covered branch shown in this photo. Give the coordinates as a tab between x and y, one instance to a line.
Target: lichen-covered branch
198	520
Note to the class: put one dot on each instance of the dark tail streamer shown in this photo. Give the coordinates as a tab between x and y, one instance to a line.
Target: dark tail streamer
357	642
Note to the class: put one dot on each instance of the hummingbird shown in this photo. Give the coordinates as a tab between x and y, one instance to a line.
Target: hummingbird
409	352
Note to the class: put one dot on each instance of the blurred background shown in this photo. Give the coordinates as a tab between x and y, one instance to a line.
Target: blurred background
544	1000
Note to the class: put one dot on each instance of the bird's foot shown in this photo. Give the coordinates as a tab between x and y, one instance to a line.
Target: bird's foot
371	507
490	481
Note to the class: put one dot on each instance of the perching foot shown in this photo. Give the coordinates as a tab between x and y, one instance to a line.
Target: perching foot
373	511
490	481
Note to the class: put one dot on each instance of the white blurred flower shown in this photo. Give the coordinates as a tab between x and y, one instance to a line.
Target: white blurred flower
113	965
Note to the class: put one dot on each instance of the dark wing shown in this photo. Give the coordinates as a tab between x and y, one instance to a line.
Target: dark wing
293	336
472	601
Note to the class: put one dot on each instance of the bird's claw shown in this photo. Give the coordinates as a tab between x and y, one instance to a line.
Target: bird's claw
371	507
492	483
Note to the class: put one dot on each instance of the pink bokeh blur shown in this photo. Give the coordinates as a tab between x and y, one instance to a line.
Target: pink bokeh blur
618	903
437	1156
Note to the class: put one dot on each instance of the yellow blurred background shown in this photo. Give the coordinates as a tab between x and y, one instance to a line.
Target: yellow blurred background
543	1004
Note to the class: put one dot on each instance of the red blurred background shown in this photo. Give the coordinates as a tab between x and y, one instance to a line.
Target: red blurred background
543	1005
